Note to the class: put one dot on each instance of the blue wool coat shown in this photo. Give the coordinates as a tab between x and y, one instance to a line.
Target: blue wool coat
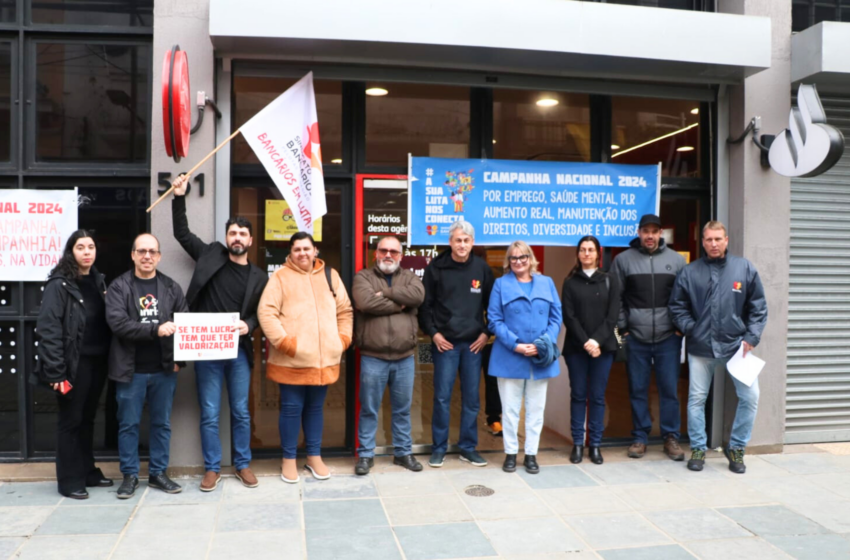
516	318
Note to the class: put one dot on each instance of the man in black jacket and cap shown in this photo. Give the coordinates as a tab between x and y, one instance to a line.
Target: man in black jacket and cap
224	282
718	302
457	293
140	308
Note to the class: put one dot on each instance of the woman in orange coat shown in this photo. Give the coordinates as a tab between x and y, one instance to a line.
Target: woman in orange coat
308	321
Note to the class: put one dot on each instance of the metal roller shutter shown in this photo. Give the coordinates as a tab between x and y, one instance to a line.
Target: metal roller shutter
818	387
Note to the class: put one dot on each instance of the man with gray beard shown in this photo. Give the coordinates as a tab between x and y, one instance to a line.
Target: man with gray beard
386	300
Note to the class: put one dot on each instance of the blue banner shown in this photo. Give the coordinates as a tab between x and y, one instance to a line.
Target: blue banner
539	202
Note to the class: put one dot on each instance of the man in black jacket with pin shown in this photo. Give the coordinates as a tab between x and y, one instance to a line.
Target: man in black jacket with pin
224	282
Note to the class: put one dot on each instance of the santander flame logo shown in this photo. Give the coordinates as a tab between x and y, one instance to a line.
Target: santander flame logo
809	146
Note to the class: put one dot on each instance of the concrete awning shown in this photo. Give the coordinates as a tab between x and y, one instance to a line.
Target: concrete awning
541	37
820	55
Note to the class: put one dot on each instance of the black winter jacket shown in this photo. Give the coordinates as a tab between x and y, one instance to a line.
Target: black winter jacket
122	314
717	303
590	307
646	281
456	297
209	258
60	327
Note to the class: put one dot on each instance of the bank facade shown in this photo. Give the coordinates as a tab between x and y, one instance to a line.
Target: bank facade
664	81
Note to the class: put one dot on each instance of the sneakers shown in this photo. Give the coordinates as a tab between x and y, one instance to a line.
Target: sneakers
409	462
495	428
697	460
637	450
247	478
436	460
210	481
736	460
363	466
672	449
128	487
473	458
164	483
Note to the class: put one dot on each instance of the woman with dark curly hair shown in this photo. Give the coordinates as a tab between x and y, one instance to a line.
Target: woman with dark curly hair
72	359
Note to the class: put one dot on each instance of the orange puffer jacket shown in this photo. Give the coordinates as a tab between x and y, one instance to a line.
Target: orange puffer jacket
307	328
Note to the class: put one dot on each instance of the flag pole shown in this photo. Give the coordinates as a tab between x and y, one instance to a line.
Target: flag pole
191	171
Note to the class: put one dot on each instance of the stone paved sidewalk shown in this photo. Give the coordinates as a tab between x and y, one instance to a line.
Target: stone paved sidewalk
793	505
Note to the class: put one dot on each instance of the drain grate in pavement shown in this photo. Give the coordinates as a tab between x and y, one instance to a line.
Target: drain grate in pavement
478	491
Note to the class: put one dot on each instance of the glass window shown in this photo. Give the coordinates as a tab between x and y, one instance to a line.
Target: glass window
118	13
541	126
800	19
8	11
10	374
92	102
648	131
270	254
5	101
423	120
252	94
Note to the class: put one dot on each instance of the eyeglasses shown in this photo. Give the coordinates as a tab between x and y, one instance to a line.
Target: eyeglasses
521	259
395	254
143	252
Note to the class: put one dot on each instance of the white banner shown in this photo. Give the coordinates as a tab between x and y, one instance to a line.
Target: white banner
206	336
285	137
34	226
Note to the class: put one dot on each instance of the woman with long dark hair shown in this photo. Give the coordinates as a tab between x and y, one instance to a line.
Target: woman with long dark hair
590	299
72	359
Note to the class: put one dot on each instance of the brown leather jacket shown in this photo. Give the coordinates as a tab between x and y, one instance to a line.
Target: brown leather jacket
386	326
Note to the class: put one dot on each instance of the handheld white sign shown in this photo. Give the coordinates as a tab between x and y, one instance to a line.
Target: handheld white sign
206	336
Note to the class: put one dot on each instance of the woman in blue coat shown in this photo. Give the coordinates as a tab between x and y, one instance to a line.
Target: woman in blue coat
525	315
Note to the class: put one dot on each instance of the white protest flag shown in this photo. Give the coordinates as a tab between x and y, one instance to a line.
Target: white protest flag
285	136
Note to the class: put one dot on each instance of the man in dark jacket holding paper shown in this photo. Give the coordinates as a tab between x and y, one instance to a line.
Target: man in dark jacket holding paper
140	308
457	293
718	302
224	282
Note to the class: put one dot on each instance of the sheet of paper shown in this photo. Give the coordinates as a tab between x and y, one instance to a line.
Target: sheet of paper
745	369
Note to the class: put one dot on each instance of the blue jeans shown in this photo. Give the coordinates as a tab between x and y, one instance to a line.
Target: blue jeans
158	389
375	375
446	366
665	355
301	405
210	376
588	381
701	374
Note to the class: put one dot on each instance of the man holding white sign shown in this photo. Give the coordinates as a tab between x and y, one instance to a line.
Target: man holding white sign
718	303
224	282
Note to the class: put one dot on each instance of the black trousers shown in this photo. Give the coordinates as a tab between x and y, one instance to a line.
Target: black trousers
75	430
492	400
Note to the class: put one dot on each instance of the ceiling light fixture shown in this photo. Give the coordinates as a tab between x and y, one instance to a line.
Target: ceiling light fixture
695	111
336	160
376	91
685	149
547	102
662	137
615	147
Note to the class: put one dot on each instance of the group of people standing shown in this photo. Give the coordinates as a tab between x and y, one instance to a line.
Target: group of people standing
89	333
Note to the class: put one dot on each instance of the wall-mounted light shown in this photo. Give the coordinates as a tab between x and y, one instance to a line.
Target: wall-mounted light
547	102
615	147
494	140
695	111
337	160
376	91
685	149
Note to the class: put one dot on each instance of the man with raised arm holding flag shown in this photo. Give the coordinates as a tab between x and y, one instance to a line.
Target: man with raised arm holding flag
224	282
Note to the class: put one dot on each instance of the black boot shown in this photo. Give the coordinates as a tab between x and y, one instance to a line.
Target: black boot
364	464
595	455
575	456
531	466
510	463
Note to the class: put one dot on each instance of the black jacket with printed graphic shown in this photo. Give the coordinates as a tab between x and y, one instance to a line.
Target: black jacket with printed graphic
122	314
456	297
717	303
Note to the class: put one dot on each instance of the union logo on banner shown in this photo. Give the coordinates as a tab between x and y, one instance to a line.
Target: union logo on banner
432	230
